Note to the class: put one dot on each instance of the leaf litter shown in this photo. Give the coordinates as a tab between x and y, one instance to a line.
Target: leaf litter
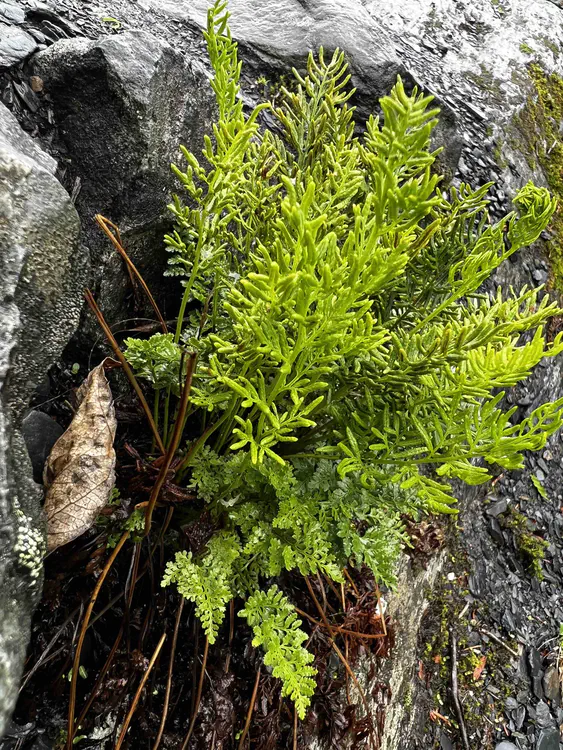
80	471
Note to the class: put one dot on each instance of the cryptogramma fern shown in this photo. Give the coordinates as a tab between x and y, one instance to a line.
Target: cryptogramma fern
349	362
276	628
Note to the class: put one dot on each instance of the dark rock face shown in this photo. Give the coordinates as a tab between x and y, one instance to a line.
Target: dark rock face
42	271
40	433
123	105
548	739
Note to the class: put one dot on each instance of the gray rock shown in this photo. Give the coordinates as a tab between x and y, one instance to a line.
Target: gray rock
551	685
11	13
285	30
283	33
40	433
15	45
497	508
122	126
543	715
505	746
40	303
548	739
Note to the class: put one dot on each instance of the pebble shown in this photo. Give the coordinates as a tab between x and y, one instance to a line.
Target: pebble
506	746
548	739
497	508
496	531
520	718
40	433
543	715
15	45
12	13
551	686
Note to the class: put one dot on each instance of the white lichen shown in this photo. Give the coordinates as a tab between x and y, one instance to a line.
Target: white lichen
30	544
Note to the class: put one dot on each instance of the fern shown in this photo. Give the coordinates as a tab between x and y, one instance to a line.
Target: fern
350	365
206	582
276	628
156	359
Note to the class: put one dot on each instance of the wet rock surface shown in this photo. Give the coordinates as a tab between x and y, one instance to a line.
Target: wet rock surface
118	128
40	302
40	433
15	44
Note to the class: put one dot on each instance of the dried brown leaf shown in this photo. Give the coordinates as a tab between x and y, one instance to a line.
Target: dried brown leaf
478	671
80	472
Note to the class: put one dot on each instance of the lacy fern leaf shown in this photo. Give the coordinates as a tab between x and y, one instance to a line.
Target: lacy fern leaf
275	625
206	582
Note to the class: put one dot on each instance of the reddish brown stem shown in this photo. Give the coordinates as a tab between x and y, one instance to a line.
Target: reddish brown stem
320	610
176	437
105	224
128	371
350	671
338	629
250	710
83	629
343	659
351	582
170	670
198	698
109	660
137	697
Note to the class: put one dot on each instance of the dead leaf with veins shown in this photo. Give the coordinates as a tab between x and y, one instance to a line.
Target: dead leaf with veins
80	471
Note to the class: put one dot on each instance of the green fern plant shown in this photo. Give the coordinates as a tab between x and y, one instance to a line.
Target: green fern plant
349	362
274	622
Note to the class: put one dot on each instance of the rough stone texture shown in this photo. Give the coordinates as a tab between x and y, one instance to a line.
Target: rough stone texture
15	44
287	30
42	270
407	606
123	105
11	13
283	33
40	433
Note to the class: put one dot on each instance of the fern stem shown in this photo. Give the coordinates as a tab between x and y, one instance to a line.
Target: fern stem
189	286
250	709
166	419
197	446
137	697
198	697
155	416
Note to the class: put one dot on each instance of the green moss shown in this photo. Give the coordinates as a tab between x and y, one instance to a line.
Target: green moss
531	547
526	49
486	81
551	45
539	123
499	158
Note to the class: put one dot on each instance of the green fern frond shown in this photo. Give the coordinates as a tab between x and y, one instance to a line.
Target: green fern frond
275	625
206	582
